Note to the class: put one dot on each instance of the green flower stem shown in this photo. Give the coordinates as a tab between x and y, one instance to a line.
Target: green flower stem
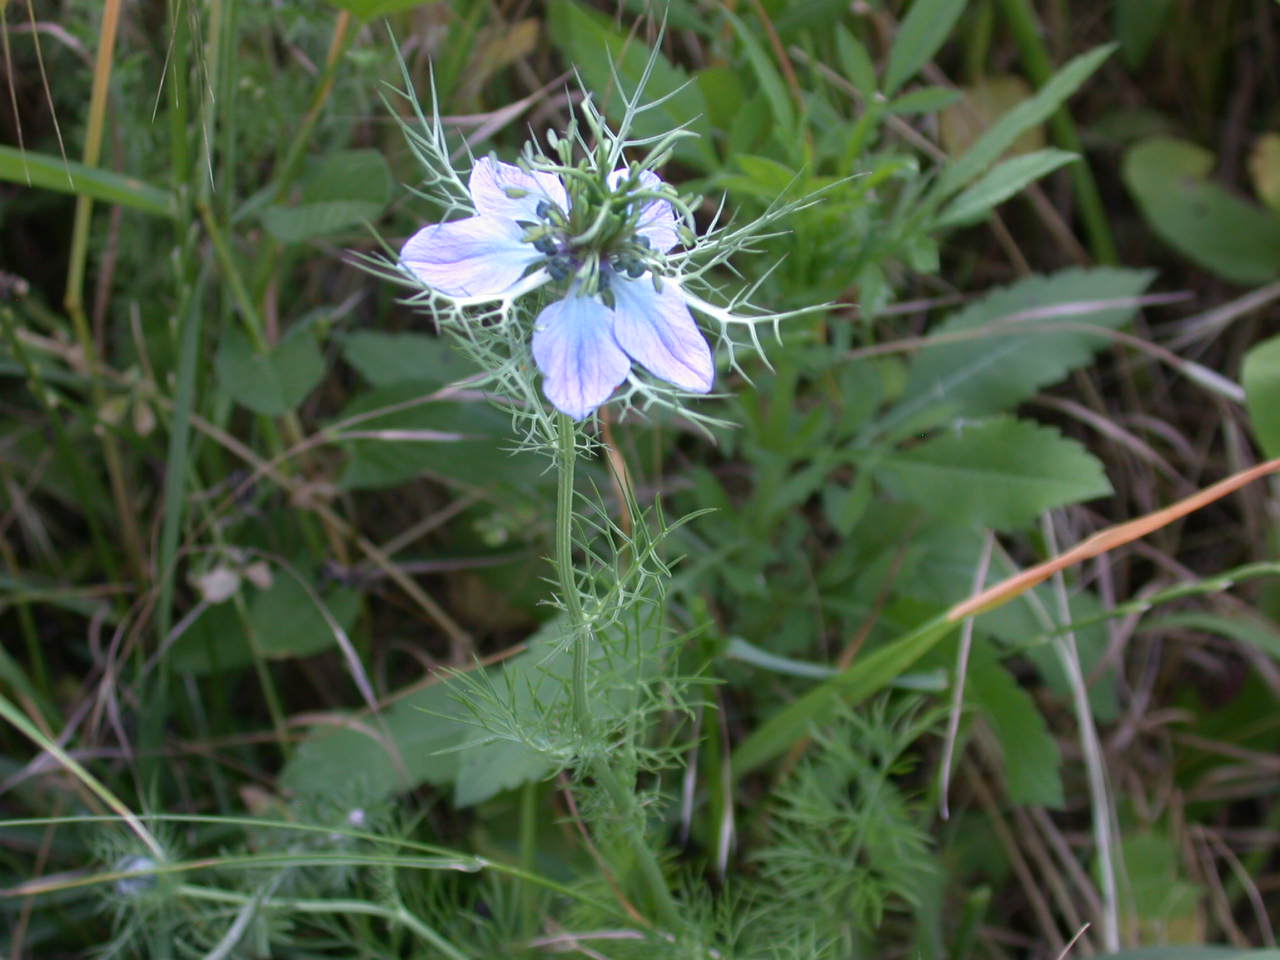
623	798
568	456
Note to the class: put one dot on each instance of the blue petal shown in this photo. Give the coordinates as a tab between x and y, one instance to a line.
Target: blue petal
475	257
491	179
657	222
657	330
574	348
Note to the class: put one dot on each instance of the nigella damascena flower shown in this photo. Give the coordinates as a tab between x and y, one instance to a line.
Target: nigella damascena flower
527	231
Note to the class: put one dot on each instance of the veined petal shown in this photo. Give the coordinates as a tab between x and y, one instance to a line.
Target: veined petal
574	348
656	329
657	222
490	180
476	257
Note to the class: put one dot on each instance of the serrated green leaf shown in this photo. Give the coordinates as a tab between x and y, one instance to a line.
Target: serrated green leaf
1000	183
923	30
1261	376
1001	473
42	171
1218	230
993	372
272	383
1011	125
1032	761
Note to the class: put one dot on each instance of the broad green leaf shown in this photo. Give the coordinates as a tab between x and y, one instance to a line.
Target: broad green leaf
487	769
338	191
1000	350
1261	376
53	173
284	618
590	42
1009	127
1000	473
1138	23
389	358
272	383
1032	761
1218	230
922	32
1000	183
367	759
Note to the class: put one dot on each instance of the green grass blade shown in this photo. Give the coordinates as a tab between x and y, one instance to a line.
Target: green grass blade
66	176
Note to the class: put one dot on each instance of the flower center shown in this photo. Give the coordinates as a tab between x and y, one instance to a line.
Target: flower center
590	243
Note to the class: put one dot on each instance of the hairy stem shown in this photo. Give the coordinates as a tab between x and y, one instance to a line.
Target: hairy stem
580	630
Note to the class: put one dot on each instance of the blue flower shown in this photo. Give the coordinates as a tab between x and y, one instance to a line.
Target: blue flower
616	309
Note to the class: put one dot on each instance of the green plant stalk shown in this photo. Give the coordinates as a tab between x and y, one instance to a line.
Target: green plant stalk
377	840
528	854
1036	59
396	914
580	631
73	299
